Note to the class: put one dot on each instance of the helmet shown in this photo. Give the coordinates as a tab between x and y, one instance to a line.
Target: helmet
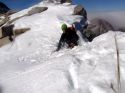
64	27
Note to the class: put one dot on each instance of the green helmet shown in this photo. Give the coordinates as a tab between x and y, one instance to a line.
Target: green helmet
64	27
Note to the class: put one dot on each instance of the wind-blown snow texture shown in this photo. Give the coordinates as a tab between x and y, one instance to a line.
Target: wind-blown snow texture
29	65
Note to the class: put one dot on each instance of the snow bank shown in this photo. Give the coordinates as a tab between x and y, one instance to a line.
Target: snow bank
29	65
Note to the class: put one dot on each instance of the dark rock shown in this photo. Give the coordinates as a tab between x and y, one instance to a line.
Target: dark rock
3	8
4	20
1	89
79	10
58	1
97	27
8	32
122	29
37	10
65	1
10	12
11	21
20	31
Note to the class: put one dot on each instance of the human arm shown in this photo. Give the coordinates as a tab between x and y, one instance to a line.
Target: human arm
61	42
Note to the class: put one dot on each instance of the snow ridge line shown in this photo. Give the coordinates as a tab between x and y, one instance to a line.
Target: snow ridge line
72	75
118	66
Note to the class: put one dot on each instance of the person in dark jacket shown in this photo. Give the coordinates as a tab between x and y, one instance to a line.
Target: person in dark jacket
69	36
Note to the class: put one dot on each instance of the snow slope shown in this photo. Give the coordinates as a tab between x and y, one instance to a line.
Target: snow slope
29	65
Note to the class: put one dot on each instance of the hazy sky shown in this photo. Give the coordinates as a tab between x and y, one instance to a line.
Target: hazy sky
102	5
90	5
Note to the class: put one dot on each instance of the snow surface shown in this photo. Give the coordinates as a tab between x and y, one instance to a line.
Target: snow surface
30	65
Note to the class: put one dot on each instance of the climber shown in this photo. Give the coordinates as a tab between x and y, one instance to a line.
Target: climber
81	26
69	36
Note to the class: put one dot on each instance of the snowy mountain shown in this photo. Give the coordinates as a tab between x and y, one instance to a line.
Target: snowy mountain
58	1
3	8
117	19
29	65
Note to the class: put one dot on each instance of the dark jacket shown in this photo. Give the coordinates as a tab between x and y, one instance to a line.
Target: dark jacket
69	36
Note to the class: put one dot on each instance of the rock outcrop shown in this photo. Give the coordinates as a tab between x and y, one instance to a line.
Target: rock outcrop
65	1
97	27
37	10
58	1
3	8
80	10
122	29
34	10
3	20
5	12
7	33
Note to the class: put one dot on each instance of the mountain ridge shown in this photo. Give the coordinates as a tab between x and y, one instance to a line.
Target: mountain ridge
3	8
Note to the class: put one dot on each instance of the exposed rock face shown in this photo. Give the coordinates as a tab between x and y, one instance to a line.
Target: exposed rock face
31	12
7	30
97	27
58	1
66	1
4	20
79	10
3	8
122	29
4	13
11	21
20	31
10	12
7	33
37	10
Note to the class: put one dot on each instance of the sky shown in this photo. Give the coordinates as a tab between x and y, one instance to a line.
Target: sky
90	5
20	4
102	5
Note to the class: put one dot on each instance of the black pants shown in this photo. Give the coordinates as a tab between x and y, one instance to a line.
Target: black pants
73	42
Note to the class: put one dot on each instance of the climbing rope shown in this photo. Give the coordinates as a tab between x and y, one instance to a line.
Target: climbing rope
118	65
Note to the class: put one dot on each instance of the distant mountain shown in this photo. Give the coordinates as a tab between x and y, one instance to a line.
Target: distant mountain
55	1
115	18
3	8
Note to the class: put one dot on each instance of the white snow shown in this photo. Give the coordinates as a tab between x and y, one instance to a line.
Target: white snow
30	65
